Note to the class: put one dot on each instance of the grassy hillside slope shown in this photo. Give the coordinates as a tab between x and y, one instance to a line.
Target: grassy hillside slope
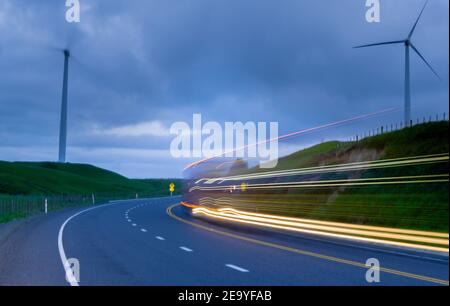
418	205
47	178
423	139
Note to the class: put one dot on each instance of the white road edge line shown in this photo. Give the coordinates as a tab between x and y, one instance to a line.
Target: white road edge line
160	238
185	249
143	230
62	254
237	268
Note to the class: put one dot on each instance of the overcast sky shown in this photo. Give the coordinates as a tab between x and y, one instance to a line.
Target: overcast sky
139	66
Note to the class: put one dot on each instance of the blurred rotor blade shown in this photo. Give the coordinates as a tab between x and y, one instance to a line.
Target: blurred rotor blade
381	43
417	21
426	62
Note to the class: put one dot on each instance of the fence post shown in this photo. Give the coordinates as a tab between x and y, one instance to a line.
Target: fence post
46	206
93	199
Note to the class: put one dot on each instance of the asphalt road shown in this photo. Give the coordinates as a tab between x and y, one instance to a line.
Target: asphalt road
155	242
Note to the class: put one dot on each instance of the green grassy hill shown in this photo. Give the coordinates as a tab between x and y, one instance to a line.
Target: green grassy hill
47	178
423	139
419	205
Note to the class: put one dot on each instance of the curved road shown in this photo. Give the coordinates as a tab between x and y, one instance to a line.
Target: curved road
155	242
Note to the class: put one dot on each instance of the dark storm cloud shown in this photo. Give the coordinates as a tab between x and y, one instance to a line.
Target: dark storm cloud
159	61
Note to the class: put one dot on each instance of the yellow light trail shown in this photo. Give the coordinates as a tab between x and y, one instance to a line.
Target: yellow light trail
303	252
336	183
228	205
330	228
339	224
281	200
264	222
387	163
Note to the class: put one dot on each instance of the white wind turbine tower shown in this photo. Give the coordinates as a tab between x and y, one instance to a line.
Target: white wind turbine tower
63	122
408	44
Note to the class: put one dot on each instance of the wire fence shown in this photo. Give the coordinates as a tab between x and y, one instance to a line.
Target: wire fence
12	207
397	126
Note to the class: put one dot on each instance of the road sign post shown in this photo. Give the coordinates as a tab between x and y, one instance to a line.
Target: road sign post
171	188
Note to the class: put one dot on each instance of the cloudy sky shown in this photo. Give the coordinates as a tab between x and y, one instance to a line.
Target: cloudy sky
139	66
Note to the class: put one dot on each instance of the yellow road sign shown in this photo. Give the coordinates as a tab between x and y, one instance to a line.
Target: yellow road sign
243	187
171	187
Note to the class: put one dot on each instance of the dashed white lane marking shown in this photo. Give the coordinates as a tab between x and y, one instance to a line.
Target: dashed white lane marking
143	230
186	249
160	238
129	220
237	268
134	224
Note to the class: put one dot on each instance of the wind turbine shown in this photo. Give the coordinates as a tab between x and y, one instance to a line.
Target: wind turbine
408	44
63	120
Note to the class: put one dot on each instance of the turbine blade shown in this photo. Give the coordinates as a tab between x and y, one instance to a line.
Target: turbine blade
379	44
417	21
423	58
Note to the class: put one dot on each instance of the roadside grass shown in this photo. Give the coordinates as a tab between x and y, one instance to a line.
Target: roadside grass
11	216
24	187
